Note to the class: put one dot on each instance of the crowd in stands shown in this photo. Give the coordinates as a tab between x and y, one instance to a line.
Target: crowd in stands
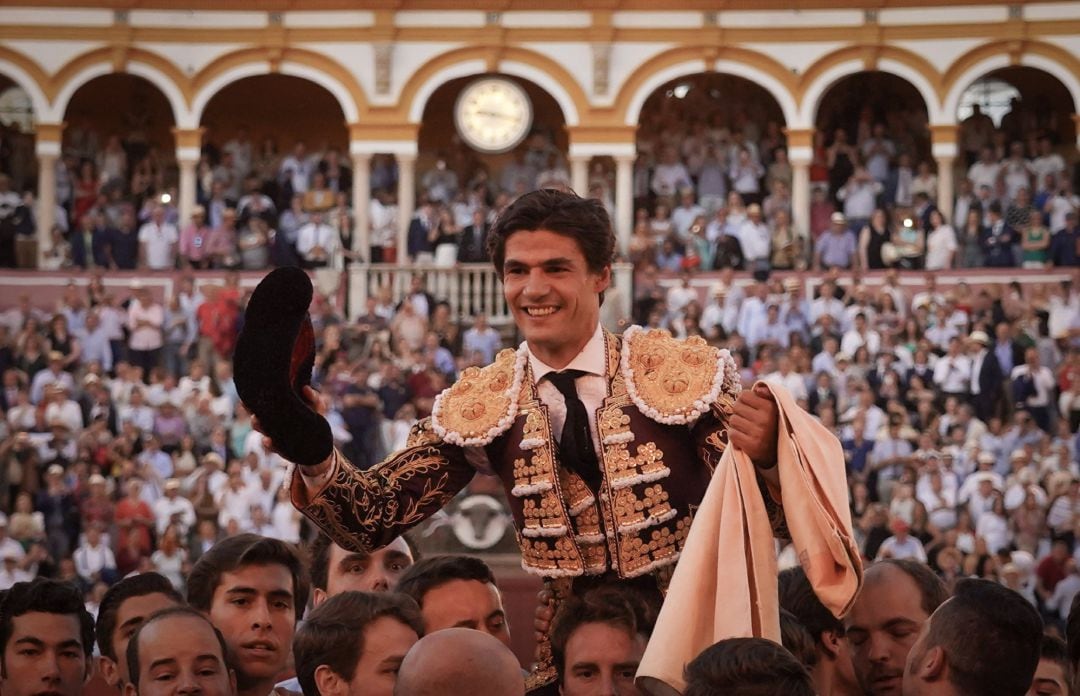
125	451
715	194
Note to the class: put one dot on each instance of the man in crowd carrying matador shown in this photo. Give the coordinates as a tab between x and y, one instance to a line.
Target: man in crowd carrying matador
605	444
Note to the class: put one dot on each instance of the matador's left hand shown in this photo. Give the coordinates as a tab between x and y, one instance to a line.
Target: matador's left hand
753	426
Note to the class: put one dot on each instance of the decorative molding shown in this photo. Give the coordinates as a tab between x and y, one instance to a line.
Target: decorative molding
384	63
601	67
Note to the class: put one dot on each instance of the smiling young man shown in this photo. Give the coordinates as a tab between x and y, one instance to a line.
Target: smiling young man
123	609
46	640
254	590
593	435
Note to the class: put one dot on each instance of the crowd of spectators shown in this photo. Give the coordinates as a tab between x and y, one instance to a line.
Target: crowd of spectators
125	448
712	194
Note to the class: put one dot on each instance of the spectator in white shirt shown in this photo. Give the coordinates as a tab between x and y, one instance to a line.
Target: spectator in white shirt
1048	161
877	152
784	375
94	560
860	335
234	500
297	168
952	373
1033	385
317	242
481	338
685	213
941	244
859	195
158	242
755	239
174	509
670	175
984	172
901	545
146	317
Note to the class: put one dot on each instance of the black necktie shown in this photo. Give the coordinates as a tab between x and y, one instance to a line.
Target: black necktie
575	447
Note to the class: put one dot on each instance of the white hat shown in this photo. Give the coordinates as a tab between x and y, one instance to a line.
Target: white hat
986	458
1017	454
979	337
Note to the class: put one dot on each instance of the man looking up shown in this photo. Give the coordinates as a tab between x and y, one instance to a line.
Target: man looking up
123	609
456	592
46	640
353	644
335	570
254	590
178	651
597	642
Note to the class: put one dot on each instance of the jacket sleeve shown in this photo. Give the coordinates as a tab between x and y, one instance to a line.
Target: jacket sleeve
710	434
363	510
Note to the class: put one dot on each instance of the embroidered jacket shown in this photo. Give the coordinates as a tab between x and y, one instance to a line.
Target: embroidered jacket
662	430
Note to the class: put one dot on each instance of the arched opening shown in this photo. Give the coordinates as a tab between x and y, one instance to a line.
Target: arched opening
701	139
275	133
510	161
877	122
117	143
17	158
1017	104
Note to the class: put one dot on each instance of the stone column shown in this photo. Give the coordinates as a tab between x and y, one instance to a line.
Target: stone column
47	148
188	150
406	195
800	154
361	202
579	174
46	203
187	188
624	200
943	148
1076	126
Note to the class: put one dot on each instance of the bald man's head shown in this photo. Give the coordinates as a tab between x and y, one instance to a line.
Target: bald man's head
459	660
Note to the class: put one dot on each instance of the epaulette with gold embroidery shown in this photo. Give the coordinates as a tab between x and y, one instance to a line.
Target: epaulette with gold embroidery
482	404
674	381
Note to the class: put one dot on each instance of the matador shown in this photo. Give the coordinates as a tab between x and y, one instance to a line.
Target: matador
605	444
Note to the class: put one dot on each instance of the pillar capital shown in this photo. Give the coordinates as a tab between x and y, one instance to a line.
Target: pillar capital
593	148
51	132
48	139
188	137
799	137
943	133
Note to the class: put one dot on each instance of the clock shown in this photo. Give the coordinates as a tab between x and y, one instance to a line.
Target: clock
493	114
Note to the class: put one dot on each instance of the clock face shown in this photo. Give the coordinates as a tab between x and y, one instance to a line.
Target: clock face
493	115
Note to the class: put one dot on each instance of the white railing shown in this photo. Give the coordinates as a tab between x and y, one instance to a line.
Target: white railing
470	289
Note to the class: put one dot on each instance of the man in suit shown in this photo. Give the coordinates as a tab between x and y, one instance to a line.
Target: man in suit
90	243
472	248
420	241
986	376
998	240
1009	353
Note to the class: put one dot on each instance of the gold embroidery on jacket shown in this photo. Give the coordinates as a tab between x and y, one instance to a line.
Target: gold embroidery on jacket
642	553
